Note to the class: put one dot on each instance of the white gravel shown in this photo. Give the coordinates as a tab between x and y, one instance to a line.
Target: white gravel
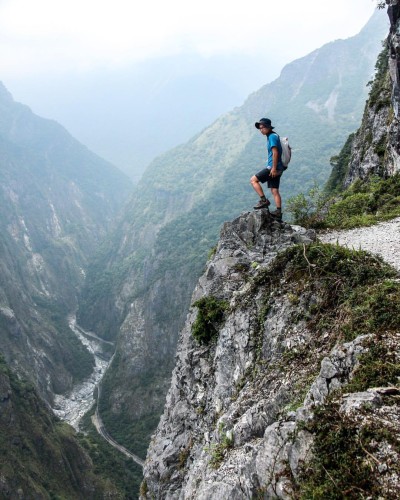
382	239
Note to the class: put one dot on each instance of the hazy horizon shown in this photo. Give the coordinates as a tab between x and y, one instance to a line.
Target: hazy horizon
130	96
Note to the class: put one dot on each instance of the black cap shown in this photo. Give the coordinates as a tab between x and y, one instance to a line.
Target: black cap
264	121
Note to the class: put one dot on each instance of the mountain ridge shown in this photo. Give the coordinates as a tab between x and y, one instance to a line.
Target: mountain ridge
162	243
57	202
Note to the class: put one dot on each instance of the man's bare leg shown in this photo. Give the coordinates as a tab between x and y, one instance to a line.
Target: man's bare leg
277	197
263	203
257	187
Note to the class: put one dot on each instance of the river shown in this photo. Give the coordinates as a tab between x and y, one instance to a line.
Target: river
72	406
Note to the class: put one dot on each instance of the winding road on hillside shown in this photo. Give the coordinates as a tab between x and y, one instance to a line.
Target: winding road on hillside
382	239
98	423
73	406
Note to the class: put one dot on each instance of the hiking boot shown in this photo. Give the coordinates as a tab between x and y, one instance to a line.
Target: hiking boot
262	204
277	213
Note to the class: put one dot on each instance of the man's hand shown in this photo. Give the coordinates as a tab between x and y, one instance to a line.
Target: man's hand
274	172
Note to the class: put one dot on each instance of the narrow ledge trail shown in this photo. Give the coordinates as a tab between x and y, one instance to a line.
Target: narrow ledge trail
382	239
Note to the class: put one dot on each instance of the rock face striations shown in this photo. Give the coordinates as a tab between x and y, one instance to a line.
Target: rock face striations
375	148
57	200
205	404
240	417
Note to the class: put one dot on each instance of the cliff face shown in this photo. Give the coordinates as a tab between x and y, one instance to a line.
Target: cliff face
376	146
57	200
207	378
245	410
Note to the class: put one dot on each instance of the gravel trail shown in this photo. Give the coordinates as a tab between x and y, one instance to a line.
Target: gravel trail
382	239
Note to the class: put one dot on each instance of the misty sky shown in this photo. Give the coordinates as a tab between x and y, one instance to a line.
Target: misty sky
106	70
44	36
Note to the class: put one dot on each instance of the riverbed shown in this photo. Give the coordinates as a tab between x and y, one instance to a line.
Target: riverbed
72	406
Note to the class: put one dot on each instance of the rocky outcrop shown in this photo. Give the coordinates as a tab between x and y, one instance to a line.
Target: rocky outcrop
376	146
207	405
238	418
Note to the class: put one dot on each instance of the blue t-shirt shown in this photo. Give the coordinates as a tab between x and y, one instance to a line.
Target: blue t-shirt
273	141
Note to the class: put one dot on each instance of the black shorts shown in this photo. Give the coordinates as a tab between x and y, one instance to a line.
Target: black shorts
264	176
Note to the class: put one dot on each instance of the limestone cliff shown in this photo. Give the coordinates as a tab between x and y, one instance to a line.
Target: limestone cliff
376	146
291	391
253	400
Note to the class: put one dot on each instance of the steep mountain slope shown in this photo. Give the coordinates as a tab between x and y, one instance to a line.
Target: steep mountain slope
42	457
293	391
296	393
186	194
57	200
374	149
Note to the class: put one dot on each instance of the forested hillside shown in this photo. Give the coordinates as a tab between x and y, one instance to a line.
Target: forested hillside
57	202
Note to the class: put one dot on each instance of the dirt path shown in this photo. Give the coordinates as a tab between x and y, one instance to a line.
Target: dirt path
382	239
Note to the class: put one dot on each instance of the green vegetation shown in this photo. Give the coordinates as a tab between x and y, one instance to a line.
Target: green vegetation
219	450
109	462
103	281
340	168
378	367
344	466
209	317
308	210
345	451
380	92
132	419
338	293
353	293
41	456
364	203
347	293
69	352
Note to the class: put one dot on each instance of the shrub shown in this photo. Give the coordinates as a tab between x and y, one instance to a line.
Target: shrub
343	464
358	204
210	314
308	209
364	203
378	367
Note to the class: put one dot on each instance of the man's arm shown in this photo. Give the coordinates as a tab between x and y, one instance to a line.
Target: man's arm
275	158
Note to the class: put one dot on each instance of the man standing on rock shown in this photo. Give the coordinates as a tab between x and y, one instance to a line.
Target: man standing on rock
273	170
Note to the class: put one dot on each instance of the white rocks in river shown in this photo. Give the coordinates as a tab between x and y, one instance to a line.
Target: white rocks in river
71	407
